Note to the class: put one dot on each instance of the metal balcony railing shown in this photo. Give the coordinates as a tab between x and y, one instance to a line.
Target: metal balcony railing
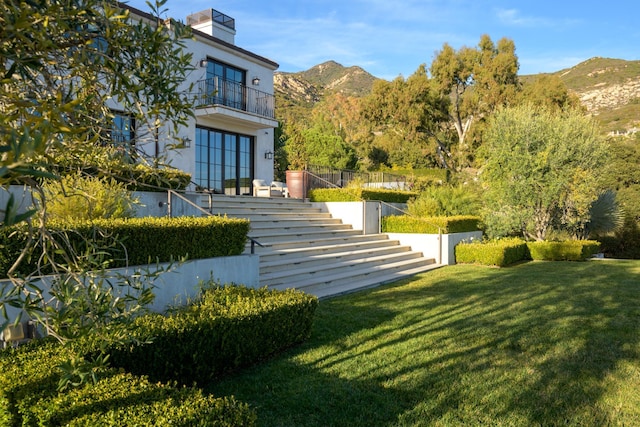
217	91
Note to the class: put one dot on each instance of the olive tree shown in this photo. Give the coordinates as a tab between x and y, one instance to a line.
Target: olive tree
63	64
541	171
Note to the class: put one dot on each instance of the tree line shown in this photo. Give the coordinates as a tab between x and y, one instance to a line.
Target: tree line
541	164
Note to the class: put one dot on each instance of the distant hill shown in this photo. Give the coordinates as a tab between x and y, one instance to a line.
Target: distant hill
297	93
608	88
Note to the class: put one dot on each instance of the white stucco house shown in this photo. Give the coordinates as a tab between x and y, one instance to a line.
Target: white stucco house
230	140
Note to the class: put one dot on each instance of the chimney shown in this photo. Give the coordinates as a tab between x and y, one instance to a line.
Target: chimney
214	23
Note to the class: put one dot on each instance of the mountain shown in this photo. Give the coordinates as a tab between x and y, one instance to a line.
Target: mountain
297	93
608	88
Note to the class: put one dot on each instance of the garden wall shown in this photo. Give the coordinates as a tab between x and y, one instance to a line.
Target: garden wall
430	247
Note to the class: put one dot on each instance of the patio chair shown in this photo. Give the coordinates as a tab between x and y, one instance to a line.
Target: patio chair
279	189
261	188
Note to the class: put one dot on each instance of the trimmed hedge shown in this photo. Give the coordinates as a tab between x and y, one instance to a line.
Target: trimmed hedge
29	397
145	239
430	225
498	252
509	251
358	194
227	328
570	250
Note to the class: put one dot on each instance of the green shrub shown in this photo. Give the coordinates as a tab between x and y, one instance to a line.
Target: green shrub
111	163
147	178
358	194
82	198
445	201
429	225
333	195
29	396
497	252
135	241
228	327
569	250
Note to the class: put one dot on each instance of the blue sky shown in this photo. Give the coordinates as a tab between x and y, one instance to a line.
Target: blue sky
393	37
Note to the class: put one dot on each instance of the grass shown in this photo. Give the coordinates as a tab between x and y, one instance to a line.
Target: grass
541	343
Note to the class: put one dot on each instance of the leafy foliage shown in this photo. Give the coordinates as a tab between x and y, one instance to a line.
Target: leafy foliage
64	66
446	201
76	197
29	395
541	170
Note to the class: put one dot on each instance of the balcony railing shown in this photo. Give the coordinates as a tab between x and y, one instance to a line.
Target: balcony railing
217	91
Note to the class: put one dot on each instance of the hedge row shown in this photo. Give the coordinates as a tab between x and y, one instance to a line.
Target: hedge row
136	241
29	397
571	250
430	225
497	252
227	328
509	251
358	194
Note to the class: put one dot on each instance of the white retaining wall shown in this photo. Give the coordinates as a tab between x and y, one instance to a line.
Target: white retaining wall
181	283
429	244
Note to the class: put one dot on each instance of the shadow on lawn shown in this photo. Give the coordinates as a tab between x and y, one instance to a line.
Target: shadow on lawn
526	345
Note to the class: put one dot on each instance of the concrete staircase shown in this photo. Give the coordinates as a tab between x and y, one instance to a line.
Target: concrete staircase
307	249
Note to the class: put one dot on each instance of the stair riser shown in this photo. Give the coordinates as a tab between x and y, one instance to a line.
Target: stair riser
313	268
275	229
318	247
357	272
274	264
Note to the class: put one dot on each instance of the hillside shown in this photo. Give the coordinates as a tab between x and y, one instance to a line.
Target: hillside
608	88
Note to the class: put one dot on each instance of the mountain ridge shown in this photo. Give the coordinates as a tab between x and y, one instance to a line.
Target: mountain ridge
608	88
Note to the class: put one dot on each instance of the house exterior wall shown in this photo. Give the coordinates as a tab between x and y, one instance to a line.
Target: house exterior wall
220	117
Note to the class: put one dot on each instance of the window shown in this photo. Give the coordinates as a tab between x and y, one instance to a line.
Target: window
224	161
122	132
226	84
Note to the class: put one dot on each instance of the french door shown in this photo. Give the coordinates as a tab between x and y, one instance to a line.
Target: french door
224	161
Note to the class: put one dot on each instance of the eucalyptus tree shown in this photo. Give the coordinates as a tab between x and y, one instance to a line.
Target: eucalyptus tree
477	80
409	112
64	63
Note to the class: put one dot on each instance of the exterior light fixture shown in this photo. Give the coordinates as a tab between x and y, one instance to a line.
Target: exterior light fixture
203	63
255	81
268	155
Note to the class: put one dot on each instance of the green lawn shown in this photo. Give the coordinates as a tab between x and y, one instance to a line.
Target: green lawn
541	343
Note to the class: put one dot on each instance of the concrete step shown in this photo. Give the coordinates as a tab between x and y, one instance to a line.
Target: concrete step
310	270
299	236
301	226
325	244
276	262
305	248
364	275
373	280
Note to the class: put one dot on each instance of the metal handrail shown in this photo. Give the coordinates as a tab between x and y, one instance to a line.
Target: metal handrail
171	193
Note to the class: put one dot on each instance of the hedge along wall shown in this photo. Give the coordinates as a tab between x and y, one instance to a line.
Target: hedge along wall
498	253
430	225
137	241
358	194
226	328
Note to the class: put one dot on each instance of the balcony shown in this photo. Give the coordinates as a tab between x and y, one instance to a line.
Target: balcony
219	97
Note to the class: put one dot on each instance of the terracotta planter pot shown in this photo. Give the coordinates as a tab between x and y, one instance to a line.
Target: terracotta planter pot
297	184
